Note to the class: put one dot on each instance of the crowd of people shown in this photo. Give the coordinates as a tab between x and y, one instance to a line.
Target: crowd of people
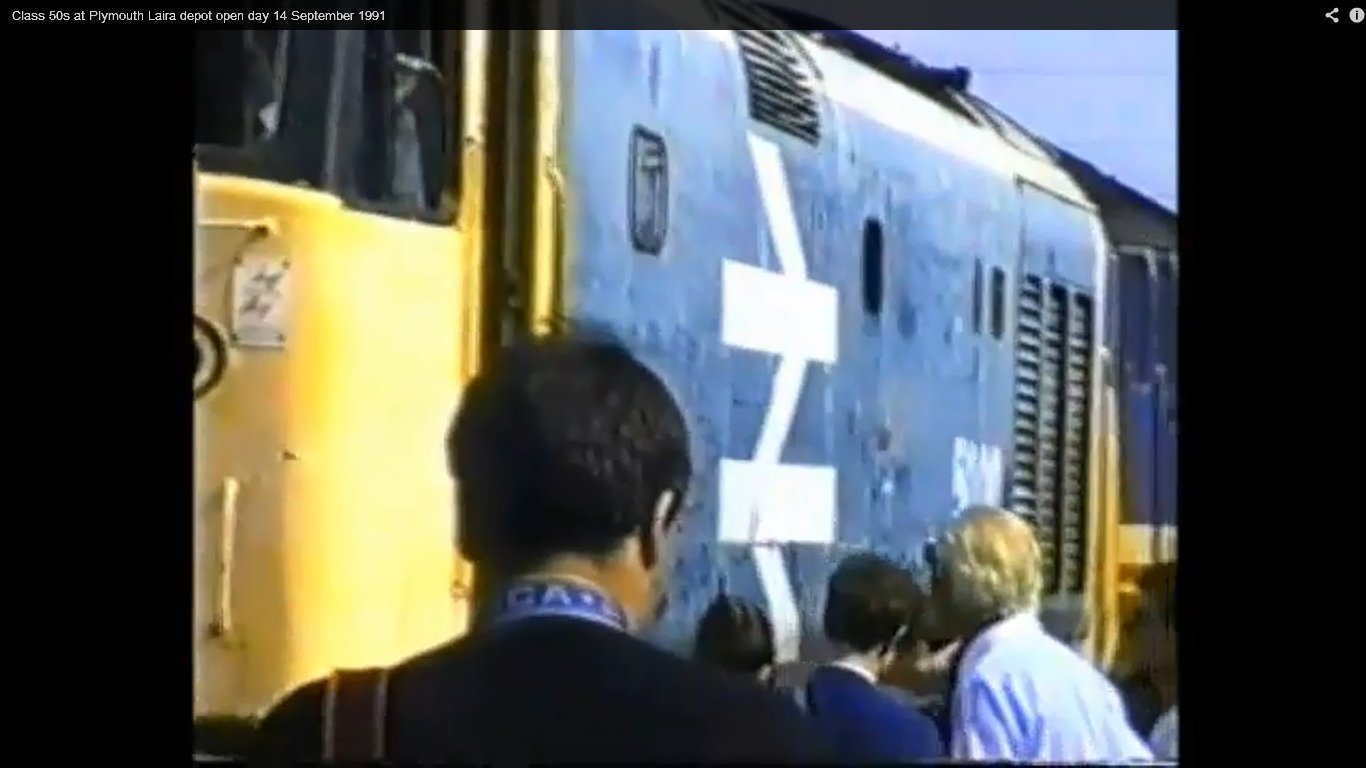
1008	687
571	465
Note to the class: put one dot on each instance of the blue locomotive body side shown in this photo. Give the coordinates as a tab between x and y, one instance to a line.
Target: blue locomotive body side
1145	282
770	296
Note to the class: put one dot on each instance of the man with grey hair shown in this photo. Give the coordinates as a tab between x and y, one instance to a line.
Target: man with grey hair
1018	693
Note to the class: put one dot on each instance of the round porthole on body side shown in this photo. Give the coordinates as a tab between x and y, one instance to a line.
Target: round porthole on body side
210	356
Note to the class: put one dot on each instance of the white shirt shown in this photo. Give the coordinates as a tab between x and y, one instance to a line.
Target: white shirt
1024	696
856	668
1163	739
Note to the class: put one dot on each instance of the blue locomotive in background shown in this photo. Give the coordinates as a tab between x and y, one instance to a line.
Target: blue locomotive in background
880	300
877	297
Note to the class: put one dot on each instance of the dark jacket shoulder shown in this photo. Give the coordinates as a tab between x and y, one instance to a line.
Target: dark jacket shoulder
556	690
292	730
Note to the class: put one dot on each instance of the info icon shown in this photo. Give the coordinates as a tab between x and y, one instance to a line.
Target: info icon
1356	15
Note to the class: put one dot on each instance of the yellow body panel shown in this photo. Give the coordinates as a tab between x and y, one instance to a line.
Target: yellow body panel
1125	551
1104	575
342	533
1144	545
548	192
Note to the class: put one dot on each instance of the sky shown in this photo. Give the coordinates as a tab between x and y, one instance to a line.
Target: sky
1107	96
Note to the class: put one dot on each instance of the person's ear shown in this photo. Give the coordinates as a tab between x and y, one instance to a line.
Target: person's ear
661	521
666	510
893	647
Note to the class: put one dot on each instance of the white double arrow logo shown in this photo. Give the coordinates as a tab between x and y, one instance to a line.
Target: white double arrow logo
763	502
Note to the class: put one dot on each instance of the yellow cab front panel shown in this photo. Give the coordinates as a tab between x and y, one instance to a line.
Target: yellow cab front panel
331	299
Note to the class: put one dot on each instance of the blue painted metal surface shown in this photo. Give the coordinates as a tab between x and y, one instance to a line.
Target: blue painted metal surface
1145	354
1166	277
907	382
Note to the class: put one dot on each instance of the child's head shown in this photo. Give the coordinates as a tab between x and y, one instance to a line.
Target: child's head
735	635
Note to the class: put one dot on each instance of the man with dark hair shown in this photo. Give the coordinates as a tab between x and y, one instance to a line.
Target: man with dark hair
871	608
1159	636
735	635
571	465
1148	685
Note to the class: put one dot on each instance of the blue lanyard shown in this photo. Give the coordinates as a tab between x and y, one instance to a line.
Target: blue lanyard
553	597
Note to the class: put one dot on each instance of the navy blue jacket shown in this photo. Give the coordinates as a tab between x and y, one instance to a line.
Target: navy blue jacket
866	722
560	690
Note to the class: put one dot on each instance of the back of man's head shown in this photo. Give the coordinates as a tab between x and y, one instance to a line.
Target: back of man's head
1157	585
1157	627
871	603
564	445
735	635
